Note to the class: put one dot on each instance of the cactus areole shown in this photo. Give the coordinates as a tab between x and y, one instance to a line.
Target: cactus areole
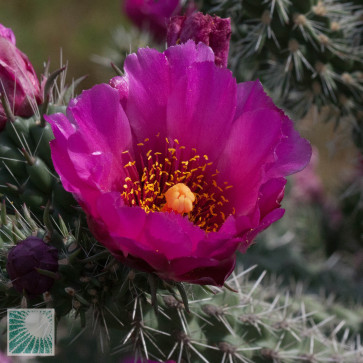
176	165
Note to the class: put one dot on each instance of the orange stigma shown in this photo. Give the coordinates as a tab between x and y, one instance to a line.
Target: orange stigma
179	198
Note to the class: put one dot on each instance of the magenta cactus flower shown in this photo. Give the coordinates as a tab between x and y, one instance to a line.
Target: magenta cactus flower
176	165
17	78
151	15
211	30
25	258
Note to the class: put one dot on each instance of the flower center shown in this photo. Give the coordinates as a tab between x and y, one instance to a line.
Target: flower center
179	198
173	182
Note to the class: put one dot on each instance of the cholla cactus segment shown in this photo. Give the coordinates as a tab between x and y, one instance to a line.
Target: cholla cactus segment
307	53
26	170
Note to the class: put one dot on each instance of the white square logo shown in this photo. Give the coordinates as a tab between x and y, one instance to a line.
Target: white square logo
31	332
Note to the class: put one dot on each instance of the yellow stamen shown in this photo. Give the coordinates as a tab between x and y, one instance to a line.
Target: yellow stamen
179	198
172	183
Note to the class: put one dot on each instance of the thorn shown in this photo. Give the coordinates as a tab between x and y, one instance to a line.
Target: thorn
46	219
81	299
73	255
183	295
13	187
28	218
24	301
7	108
116	69
30	160
96	257
3	213
153	282
47	89
208	289
228	287
47	273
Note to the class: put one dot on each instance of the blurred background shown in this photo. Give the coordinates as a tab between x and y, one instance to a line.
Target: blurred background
78	29
319	241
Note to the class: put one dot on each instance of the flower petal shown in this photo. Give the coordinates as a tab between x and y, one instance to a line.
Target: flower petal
149	89
292	154
251	96
201	108
101	119
246	154
181	57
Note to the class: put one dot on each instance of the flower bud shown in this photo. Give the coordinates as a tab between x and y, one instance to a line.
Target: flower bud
7	33
210	30
18	80
25	258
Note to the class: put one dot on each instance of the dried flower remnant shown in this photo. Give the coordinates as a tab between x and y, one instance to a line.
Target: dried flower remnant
210	30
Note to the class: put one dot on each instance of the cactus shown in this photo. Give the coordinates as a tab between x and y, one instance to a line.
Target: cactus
154	319
26	170
306	53
282	253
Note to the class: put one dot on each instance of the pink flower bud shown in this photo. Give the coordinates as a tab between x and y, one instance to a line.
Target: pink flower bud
7	33
210	30
17	78
25	258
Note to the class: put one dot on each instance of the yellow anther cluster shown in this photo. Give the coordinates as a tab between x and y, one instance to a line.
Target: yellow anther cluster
169	182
